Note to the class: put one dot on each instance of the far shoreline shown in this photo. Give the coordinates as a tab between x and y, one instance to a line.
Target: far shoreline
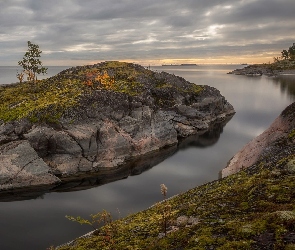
271	70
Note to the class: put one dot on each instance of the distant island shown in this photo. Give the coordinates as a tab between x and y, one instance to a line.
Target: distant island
183	64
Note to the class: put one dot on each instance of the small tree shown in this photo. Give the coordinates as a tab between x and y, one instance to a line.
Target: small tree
289	54
31	63
20	76
285	54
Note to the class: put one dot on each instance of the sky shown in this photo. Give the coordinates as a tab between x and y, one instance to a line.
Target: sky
153	32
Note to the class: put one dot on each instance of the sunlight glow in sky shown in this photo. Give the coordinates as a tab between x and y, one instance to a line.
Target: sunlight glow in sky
76	32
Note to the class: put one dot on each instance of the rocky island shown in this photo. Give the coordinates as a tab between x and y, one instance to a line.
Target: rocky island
96	118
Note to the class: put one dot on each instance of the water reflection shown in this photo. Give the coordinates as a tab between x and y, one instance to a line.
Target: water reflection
207	139
286	84
131	168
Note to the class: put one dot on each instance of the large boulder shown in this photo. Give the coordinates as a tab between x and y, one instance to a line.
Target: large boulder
22	167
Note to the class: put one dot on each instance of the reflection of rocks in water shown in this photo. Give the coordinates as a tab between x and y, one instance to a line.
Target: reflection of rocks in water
287	84
150	160
90	180
29	193
206	139
106	175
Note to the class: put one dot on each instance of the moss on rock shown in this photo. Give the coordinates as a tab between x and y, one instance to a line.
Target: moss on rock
248	210
44	100
47	100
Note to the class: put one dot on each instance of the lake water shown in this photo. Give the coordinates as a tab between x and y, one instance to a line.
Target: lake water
39	223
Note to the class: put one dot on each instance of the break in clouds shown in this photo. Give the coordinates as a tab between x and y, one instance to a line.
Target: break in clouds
72	31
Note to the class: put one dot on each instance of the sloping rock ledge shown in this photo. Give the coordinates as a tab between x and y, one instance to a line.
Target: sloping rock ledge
275	142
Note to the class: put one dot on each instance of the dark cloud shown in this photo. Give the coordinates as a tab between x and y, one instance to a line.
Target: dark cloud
145	30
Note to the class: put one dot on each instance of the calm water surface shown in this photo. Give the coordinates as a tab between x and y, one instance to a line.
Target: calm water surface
39	223
8	73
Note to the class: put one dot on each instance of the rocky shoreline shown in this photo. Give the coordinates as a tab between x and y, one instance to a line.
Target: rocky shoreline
262	69
121	113
266	147
135	166
250	208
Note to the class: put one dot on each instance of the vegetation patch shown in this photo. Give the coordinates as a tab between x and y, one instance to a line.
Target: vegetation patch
115	76
42	101
292	134
287	59
242	211
47	100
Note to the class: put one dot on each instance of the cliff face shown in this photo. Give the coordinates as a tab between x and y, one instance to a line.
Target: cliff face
120	112
278	139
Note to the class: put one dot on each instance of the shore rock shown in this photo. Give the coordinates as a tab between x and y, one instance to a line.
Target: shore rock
274	69
108	127
278	139
21	166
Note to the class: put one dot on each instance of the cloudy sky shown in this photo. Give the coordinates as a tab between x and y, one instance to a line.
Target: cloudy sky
77	32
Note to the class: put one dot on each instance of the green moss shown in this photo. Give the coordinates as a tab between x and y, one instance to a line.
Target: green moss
115	76
131	88
234	245
232	213
44	100
196	88
116	64
292	134
47	100
162	85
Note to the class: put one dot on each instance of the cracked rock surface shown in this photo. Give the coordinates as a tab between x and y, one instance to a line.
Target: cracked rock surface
21	166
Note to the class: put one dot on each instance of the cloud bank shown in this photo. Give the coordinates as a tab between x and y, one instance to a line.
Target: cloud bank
72	32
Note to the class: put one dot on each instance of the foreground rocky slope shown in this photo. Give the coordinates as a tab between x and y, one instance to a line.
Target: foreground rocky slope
252	209
94	118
